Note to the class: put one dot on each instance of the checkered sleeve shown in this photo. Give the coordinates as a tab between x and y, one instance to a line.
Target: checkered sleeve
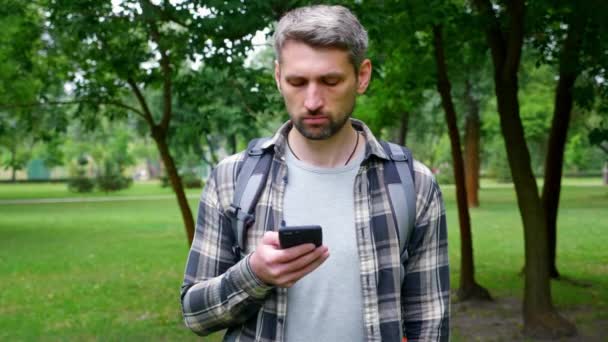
219	291
426	287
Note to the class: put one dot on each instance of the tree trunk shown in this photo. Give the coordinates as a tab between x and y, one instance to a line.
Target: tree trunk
13	162
540	317
469	289
402	135
472	141
159	134
159	137
232	141
568	72
212	149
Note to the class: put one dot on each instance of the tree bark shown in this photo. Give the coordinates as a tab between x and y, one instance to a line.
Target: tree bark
232	141
472	149
159	131
469	289
160	138
159	134
540	317
568	72
13	162
402	134
212	149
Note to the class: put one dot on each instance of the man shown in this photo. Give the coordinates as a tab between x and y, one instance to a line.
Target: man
326	171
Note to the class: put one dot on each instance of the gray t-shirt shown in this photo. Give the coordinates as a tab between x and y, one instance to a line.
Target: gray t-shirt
327	304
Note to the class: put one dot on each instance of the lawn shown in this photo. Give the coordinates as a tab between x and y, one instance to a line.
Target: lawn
59	190
112	270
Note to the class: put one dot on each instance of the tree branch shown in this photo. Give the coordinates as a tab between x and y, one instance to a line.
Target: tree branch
4	106
494	34
239	93
515	38
212	149
146	114
165	64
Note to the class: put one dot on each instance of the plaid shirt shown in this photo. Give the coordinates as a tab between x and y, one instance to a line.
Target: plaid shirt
220	291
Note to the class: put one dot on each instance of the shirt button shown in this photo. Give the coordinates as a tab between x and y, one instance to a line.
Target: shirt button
280	321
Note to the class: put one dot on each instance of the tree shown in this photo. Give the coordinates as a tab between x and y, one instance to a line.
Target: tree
118	51
504	30
404	53
23	78
469	288
578	31
472	137
209	120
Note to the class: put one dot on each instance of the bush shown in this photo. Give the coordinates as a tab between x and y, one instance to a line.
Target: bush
191	180
111	179
113	182
164	181
78	181
444	174
80	184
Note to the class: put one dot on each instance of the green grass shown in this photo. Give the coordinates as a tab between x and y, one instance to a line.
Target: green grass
60	190
81	271
499	246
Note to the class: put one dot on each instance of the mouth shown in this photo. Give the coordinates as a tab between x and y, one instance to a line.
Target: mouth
315	120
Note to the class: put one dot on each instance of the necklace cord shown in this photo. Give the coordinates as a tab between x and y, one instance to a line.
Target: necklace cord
347	160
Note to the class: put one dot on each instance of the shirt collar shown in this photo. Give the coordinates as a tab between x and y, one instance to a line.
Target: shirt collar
372	145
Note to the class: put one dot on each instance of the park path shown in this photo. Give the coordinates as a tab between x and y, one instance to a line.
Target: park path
90	199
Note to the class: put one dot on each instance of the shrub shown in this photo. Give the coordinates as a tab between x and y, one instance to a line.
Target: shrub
111	178
444	174
78	180
191	180
164	181
80	184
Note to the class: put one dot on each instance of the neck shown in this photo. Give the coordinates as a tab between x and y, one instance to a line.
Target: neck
331	152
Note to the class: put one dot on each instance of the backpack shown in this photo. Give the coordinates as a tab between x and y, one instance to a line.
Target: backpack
254	170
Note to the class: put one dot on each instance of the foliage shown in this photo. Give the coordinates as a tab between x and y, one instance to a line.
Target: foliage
110	177
103	155
211	123
78	181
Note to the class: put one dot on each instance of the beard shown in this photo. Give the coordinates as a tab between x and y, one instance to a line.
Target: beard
322	132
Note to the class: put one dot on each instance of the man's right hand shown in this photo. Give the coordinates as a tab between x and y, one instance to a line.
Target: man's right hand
284	267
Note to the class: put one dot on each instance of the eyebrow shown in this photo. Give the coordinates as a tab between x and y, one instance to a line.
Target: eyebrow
328	75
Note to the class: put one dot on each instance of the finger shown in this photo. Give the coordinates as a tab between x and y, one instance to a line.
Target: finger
271	238
293	277
304	260
292	253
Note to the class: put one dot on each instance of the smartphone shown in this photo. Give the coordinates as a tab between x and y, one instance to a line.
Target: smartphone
297	235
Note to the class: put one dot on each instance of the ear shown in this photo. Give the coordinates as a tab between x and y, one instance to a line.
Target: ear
364	76
277	74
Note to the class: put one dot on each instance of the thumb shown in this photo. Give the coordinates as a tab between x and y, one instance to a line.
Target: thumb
271	238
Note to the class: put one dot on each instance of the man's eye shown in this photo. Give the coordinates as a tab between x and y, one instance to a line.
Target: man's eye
296	82
331	81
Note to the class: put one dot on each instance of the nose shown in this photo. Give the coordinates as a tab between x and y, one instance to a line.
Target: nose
313	100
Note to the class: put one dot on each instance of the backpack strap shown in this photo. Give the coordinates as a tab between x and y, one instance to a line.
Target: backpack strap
399	180
251	178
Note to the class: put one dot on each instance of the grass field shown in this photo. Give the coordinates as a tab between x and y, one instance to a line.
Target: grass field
112	270
59	190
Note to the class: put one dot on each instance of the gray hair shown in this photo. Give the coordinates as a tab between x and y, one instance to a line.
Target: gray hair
323	26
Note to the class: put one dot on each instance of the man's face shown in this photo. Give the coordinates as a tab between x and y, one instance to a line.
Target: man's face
319	86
